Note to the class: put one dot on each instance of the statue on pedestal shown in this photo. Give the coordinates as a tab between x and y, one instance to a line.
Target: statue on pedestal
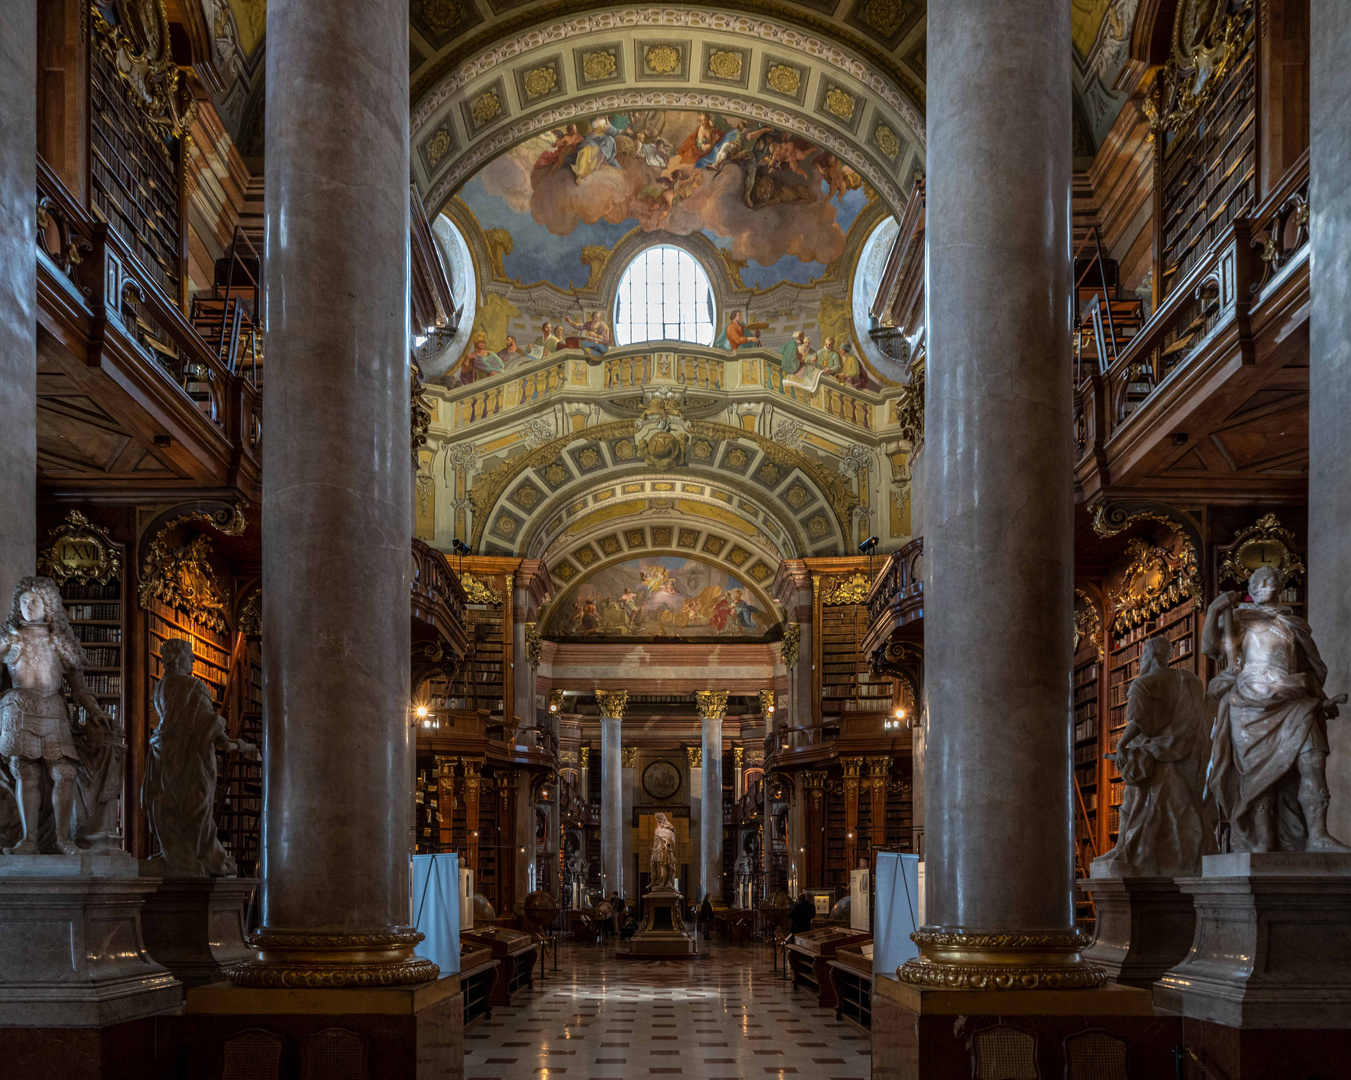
179	790
663	863
38	740
1268	761
1161	756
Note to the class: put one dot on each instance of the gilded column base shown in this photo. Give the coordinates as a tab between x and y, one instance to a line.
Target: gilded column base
958	960
290	959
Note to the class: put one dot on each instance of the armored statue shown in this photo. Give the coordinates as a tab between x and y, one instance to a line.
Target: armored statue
1161	756
179	790
741	869
1268	759
37	736
663	864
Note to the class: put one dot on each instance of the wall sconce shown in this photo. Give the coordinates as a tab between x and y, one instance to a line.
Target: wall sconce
423	717
555	702
896	722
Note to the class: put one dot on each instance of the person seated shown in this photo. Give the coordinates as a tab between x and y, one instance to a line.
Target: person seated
737	333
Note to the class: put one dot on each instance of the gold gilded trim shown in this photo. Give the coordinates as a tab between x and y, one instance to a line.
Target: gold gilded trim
1267	543
612	703
80	552
300	960
974	961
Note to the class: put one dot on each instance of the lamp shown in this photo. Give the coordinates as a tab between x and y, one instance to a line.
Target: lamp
869	545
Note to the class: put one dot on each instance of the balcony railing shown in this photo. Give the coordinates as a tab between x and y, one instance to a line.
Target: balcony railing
1245	264
131	317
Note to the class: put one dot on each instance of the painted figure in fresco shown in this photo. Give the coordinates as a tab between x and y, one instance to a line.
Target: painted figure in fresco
840	178
597	149
737	333
481	363
851	369
789	152
563	150
548	342
794	352
40	650
737	145
1269	747
701	141
594	333
746	613
510	353
655	153
828	359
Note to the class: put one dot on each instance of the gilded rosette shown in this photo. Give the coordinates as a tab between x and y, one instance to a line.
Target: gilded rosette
951	960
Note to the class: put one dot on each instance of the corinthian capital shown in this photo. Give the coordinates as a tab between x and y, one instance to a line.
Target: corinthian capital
712	704
612	703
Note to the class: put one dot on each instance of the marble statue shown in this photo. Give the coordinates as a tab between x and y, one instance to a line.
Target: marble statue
37	734
663	855
1161	756
741	869
579	869
1268	760
178	793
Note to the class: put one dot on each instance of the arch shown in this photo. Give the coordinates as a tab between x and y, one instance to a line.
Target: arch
825	92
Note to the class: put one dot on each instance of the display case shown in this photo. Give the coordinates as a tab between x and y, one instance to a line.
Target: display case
516	951
851	975
478	974
809	958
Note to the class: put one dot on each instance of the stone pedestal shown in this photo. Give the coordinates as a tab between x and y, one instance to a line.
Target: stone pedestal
195	926
662	932
71	952
385	1033
1273	935
924	1034
1144	927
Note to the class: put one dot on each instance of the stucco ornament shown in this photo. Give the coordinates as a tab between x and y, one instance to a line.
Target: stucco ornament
37	734
179	790
661	435
1268	759
1161	756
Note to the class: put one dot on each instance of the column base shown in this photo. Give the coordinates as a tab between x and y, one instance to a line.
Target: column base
1144	927
1273	931
921	1033
304	959
965	960
398	1033
195	926
71	952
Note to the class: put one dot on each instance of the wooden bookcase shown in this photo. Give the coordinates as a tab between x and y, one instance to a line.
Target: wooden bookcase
900	816
847	684
95	615
211	649
1086	684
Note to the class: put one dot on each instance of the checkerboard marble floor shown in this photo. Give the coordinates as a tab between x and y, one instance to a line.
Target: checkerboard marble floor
725	1016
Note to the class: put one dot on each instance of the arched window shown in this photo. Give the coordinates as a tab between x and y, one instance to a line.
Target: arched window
664	295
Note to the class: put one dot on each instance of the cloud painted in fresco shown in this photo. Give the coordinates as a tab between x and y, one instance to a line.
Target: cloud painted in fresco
790	233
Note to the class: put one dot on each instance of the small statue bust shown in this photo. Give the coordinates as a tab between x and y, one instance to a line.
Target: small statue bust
1268	761
663	862
179	790
39	648
1161	756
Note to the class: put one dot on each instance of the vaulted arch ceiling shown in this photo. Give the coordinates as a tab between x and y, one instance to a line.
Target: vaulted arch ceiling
826	84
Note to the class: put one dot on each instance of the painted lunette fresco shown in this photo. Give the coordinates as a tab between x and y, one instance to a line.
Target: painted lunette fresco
776	209
661	597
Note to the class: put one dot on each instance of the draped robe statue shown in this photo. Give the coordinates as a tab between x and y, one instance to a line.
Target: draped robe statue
663	855
179	790
1161	757
1268	761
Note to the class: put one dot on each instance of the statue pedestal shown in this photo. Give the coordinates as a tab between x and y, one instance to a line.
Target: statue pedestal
662	932
195	926
1144	927
1273	932
71	953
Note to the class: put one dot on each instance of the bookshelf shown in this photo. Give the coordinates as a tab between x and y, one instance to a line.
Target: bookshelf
1086	685
94	611
211	649
847	683
900	816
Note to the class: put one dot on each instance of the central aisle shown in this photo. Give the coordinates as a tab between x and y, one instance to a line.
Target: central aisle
725	1016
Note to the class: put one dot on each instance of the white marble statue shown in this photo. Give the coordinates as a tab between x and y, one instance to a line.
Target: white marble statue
663	863
39	648
1268	761
1162	758
179	790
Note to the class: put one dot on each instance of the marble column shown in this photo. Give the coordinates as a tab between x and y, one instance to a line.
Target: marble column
18	292
1329	556
694	757
336	501
612	704
998	493
712	705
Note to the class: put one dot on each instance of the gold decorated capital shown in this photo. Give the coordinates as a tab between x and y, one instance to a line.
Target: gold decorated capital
695	756
628	757
711	704
612	703
766	703
555	702
788	648
954	960
852	766
739	756
584	757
